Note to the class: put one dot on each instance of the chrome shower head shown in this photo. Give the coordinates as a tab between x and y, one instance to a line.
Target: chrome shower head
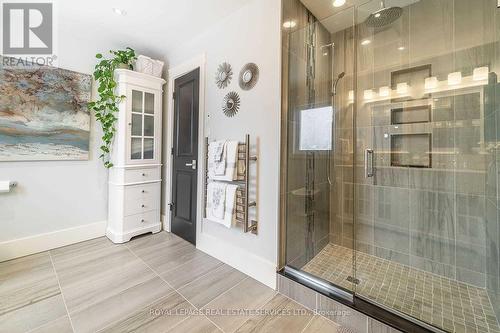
383	16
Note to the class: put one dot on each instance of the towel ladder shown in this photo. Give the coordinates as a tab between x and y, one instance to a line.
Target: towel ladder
243	181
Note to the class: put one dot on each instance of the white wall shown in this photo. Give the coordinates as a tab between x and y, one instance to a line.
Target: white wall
251	34
57	195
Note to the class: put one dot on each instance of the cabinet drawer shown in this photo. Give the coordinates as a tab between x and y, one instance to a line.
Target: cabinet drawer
141	175
141	198
141	220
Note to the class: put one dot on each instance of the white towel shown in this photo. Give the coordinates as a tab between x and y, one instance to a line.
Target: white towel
217	150
217	157
229	215
217	199
231	158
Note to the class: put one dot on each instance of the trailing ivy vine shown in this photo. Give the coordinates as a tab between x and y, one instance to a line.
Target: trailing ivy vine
106	106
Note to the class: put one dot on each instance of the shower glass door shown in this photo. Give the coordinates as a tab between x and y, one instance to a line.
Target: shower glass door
319	146
390	153
426	226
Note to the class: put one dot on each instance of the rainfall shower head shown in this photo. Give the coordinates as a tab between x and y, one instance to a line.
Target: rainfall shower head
383	16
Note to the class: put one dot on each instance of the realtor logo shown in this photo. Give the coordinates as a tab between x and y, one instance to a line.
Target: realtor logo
27	28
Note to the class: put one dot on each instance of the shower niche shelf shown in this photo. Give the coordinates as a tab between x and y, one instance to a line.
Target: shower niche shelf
411	150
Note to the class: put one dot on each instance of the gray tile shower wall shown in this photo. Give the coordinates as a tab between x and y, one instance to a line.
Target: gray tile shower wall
437	219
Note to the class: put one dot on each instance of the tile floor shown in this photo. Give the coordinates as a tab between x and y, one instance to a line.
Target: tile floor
156	283
447	304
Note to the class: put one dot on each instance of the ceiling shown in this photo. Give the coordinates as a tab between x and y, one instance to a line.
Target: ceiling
336	19
154	27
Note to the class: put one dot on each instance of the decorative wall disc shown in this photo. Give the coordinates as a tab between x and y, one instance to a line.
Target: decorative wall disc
231	104
249	75
224	75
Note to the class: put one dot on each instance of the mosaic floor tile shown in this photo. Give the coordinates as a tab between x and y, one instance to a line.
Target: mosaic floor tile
448	304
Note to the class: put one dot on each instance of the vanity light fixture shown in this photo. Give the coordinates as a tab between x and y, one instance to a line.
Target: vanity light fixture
402	88
454	78
368	94
366	42
401	48
350	96
289	24
338	3
384	91
480	73
119	11
430	82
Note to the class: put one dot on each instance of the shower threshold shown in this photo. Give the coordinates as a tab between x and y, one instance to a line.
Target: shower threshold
447	304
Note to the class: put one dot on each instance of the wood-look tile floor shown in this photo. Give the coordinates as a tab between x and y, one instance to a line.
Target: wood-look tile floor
155	283
448	304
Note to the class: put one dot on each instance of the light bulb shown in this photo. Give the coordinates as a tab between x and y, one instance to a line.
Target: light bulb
384	91
402	88
368	94
350	96
338	3
480	73
430	82
119	11
454	78
289	24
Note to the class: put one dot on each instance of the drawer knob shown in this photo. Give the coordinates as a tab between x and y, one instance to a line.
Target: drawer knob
143	191
144	175
143	206
142	221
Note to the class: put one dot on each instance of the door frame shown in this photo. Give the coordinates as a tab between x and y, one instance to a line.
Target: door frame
173	74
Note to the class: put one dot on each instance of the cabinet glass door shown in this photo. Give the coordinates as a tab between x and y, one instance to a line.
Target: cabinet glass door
142	126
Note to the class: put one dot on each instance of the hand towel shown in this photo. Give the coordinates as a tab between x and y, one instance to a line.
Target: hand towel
216	162
230	211
217	199
218	149
229	207
231	159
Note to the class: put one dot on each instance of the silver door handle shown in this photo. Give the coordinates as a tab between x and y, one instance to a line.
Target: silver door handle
369	163
192	165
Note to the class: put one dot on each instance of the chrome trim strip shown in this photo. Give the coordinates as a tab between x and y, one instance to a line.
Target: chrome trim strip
319	285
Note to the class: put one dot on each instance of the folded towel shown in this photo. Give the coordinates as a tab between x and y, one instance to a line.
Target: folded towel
217	150
229	215
217	199
231	157
217	158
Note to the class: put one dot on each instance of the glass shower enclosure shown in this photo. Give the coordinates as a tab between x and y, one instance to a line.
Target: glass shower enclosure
390	184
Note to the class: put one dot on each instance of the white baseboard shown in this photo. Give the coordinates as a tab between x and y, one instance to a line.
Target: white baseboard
258	268
43	242
166	225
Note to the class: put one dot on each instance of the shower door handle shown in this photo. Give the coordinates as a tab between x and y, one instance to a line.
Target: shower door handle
369	163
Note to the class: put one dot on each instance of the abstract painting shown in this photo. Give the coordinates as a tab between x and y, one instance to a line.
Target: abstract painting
43	114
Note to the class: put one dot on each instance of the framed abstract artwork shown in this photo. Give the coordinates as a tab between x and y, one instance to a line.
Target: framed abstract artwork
43	114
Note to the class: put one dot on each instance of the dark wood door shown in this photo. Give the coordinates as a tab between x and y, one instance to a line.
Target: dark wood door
185	156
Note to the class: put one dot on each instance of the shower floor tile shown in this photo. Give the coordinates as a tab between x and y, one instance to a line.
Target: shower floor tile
448	304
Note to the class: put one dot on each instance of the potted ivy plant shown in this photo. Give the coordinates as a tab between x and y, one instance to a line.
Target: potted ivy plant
106	106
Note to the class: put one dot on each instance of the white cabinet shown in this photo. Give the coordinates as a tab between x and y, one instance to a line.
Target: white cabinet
135	178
